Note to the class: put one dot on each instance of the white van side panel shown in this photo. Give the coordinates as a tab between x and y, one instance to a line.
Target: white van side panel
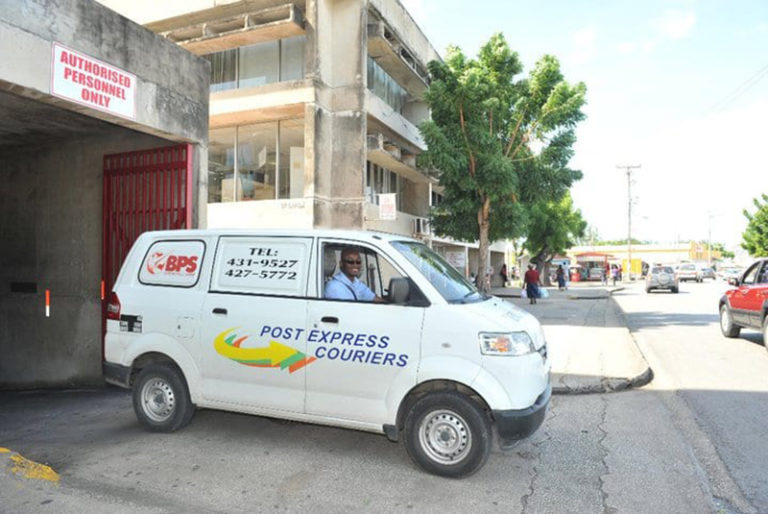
160	343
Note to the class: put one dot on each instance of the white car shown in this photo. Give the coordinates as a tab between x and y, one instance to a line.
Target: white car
688	271
242	321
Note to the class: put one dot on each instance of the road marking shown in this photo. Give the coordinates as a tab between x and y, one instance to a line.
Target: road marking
32	470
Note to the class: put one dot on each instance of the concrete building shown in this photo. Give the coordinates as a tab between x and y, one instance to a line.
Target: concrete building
314	113
103	134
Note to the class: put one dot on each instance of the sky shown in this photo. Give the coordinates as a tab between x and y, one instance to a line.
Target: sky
678	87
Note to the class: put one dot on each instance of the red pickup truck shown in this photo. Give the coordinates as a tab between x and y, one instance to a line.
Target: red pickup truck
746	306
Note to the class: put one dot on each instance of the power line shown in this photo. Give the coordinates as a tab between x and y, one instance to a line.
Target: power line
740	90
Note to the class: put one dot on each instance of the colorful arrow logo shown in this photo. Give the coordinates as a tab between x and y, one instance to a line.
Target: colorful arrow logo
276	355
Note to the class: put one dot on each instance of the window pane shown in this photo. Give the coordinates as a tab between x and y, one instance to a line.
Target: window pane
256	161
292	58
385	87
291	159
258	64
221	165
223	69
369	193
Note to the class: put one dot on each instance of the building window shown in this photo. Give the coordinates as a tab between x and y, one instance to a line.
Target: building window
264	161
256	162
385	87
292	58
380	180
259	64
437	198
223	70
221	164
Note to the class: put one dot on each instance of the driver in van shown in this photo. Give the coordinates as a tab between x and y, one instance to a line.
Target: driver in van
345	285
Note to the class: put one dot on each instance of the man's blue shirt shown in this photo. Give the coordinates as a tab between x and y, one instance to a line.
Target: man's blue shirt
341	288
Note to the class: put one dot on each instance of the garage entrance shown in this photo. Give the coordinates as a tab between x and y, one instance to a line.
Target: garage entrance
84	95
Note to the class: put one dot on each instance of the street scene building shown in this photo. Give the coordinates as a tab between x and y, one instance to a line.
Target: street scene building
99	143
314	114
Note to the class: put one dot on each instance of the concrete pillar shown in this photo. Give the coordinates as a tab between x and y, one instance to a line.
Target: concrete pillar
338	119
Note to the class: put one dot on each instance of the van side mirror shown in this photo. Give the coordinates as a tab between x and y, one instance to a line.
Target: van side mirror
399	288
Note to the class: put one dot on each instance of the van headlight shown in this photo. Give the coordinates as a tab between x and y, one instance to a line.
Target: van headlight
506	343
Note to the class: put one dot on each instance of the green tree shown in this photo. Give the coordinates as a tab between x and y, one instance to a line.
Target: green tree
755	238
553	227
484	121
725	254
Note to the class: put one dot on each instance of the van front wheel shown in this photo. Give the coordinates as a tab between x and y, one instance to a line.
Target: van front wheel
161	398
448	434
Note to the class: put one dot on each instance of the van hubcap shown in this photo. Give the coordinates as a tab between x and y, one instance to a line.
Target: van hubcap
158	399
445	437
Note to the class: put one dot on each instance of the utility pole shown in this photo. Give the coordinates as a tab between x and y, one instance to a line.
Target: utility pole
628	170
709	241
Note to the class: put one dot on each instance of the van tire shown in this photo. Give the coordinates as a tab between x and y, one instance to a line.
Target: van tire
448	434
161	398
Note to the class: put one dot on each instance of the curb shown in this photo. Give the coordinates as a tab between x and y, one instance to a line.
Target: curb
608	384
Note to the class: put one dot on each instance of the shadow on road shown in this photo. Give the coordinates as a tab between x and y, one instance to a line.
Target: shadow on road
659	319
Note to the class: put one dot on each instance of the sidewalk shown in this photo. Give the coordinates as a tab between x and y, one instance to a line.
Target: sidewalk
590	346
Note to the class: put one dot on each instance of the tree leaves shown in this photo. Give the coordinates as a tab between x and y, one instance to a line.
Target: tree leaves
755	237
484	118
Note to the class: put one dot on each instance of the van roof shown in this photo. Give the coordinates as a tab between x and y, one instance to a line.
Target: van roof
362	235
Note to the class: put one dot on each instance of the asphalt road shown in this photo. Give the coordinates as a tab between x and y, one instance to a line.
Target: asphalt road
688	442
720	384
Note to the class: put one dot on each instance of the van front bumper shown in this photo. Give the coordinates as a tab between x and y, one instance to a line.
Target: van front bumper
513	425
116	374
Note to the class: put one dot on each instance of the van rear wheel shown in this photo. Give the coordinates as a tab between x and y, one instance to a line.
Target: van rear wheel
448	434
161	398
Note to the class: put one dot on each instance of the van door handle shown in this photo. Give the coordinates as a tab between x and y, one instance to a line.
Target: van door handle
219	310
329	319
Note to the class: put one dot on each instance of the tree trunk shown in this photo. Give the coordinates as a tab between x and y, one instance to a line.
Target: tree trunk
484	281
542	261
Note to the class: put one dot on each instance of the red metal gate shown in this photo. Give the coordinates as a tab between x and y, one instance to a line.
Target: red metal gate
143	190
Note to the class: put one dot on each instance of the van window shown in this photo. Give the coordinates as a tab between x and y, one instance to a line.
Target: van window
172	263
375	270
449	283
261	265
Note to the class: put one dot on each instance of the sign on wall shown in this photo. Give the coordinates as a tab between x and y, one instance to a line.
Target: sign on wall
456	259
388	206
87	81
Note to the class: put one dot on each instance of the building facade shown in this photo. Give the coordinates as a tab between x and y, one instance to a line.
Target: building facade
314	113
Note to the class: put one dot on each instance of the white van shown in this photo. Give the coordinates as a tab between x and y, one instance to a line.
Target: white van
238	321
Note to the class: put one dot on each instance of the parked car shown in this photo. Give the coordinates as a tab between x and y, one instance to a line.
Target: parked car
746	306
707	273
688	271
662	277
732	275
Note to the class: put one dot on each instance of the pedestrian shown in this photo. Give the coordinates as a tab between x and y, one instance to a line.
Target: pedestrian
560	274
606	273
531	284
504	276
614	274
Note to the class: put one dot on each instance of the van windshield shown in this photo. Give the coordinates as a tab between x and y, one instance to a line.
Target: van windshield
445	278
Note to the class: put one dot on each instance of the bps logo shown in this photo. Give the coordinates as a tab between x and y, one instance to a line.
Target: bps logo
168	263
